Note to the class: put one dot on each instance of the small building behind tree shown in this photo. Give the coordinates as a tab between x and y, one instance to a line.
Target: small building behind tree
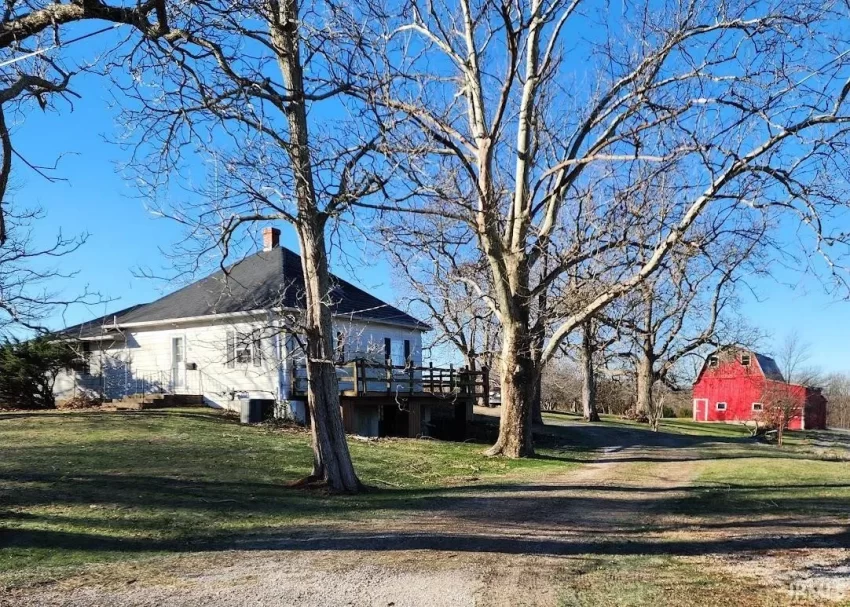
739	385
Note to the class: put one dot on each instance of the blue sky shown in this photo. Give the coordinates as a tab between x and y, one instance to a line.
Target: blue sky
96	198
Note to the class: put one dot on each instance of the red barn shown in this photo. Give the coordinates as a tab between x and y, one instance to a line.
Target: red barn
737	385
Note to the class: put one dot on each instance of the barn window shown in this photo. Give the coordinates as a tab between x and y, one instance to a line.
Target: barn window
713	361
721	406
745	360
758	407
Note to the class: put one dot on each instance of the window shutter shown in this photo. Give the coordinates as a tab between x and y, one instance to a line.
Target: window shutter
407	351
388	348
256	349
231	350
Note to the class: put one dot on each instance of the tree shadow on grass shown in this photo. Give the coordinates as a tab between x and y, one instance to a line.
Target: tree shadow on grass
335	539
177	515
130	512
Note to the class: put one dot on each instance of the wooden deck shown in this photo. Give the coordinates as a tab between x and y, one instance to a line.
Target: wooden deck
365	379
400	395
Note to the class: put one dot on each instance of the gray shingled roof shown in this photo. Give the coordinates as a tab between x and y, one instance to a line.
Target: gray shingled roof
266	279
769	367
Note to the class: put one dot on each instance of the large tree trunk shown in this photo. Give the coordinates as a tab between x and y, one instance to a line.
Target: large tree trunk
331	458
537	387
588	385
644	382
537	401
519	376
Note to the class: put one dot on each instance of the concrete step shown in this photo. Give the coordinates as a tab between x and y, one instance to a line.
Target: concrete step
137	402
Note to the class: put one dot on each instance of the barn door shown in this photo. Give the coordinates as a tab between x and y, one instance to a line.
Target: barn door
700	409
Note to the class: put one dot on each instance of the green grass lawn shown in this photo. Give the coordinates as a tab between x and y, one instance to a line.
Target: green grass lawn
671	425
79	488
802	483
82	487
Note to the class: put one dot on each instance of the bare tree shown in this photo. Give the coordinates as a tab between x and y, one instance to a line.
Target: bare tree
781	403
436	279
561	385
837	391
548	135
588	369
31	69
593	352
258	87
793	358
31	275
690	303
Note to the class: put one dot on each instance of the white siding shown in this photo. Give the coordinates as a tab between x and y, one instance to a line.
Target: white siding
143	360
367	339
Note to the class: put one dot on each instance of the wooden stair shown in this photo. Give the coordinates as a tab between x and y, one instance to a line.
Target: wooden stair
138	402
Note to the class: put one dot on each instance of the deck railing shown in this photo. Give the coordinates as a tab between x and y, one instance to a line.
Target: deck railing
361	377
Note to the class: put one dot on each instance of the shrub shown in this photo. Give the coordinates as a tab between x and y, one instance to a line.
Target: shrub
28	370
668	411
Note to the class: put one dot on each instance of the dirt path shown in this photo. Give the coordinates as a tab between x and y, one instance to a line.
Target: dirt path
501	545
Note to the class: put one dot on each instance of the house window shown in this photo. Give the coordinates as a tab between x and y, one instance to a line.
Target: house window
713	361
244	348
397	353
745	360
721	406
256	340
758	407
81	364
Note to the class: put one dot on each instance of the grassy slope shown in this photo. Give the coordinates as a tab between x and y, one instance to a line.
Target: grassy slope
86	487
810	475
82	488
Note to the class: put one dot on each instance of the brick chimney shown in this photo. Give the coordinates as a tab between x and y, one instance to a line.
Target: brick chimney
271	238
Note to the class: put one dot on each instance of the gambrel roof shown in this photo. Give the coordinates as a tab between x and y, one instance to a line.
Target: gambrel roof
766	364
266	280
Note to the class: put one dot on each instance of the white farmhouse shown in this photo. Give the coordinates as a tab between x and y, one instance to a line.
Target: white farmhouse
230	336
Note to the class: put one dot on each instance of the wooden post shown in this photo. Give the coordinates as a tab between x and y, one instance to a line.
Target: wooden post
431	376
414	420
389	377
485	384
354	377
410	371
347	410
451	377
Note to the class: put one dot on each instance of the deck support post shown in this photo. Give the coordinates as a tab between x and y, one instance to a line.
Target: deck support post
414	420
346	407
